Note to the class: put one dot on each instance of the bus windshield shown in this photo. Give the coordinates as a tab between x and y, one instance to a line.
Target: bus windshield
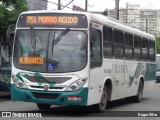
42	51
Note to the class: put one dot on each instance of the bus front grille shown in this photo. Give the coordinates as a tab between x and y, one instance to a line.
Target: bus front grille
45	95
48	79
50	88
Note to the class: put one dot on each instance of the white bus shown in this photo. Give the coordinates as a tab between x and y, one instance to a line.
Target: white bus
79	58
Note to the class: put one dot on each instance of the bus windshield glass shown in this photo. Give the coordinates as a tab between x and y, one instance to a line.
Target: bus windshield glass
50	50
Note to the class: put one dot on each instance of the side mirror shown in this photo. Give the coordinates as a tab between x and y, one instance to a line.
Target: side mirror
10	38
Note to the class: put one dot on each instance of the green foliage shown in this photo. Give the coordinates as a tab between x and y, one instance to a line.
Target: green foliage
9	12
158	44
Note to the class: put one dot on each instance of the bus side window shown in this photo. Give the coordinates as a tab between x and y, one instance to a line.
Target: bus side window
152	50
96	48
145	49
137	48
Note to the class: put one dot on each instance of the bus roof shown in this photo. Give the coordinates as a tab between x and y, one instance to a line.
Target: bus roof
120	26
101	19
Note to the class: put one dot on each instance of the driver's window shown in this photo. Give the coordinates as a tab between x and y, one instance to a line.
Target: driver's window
96	48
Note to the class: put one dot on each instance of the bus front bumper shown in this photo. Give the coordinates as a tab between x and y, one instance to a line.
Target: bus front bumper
55	98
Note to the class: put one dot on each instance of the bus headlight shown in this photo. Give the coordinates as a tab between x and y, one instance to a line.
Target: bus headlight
18	83
77	85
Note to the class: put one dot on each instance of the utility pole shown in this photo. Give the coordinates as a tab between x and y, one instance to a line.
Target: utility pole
86	4
117	9
59	5
147	25
126	13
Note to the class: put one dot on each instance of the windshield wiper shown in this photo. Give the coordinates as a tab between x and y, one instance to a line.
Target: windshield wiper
31	37
57	39
52	42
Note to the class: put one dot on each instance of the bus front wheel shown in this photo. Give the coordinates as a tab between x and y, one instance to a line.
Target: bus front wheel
103	103
43	106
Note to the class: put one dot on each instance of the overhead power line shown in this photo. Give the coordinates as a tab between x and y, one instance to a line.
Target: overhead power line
67	4
56	4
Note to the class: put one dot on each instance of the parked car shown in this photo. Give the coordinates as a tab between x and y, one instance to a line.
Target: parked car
158	68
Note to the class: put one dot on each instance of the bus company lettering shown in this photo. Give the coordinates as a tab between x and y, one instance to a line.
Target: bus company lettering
31	60
119	68
47	20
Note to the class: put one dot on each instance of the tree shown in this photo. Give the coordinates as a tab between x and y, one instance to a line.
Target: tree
9	12
158	44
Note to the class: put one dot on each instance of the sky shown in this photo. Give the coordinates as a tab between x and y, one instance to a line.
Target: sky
101	5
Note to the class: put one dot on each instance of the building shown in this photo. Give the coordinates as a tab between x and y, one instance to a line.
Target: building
133	15
144	19
37	4
149	21
158	24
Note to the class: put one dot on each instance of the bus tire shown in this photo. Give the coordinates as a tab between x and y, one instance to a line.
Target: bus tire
138	97
42	106
101	107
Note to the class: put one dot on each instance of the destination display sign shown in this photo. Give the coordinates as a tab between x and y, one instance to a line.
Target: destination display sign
52	20
31	60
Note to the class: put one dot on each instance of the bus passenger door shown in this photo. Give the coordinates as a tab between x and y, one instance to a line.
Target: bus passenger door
96	77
